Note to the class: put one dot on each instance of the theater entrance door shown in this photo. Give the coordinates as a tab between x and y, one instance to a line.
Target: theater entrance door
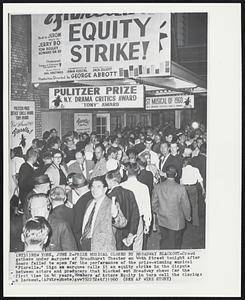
102	124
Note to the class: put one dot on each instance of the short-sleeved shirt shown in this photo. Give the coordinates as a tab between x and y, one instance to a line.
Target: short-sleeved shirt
190	175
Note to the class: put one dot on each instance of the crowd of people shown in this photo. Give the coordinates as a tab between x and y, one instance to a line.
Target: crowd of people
89	193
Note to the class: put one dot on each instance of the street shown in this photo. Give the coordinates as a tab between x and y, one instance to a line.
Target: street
194	237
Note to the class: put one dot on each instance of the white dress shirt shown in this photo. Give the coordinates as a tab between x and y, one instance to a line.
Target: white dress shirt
162	162
87	214
84	169
142	197
190	175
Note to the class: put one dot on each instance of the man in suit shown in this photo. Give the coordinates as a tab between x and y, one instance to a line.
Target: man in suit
171	204
81	195
59	209
142	197
81	165
169	157
62	238
176	159
164	155
144	176
129	207
100	166
102	214
26	175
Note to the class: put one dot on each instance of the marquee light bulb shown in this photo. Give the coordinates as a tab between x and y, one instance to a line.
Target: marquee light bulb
195	125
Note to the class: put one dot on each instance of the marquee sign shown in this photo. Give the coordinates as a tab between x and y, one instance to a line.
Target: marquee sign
170	102
97	97
68	47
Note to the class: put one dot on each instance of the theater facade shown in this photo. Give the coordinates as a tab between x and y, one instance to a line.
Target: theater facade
102	72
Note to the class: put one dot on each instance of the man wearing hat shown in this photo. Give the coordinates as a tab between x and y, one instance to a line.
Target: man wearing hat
41	186
81	195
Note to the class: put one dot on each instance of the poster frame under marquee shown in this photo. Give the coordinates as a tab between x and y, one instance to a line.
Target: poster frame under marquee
88	119
22	124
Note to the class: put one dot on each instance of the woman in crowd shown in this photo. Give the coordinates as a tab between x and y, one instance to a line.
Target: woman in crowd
56	171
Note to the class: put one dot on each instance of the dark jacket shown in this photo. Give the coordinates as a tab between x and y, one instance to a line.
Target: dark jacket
199	162
62	238
25	180
171	204
175	161
41	170
64	213
146	177
79	210
139	148
130	210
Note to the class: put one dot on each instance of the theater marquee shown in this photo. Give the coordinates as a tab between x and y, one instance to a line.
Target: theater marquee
170	102
67	47
100	97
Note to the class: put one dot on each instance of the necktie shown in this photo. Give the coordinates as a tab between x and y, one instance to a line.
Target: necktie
87	227
161	162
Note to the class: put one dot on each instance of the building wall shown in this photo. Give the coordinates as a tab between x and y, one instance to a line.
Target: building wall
20	66
23	90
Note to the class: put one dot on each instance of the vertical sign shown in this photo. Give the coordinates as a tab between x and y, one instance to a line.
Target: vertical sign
22	124
83	122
